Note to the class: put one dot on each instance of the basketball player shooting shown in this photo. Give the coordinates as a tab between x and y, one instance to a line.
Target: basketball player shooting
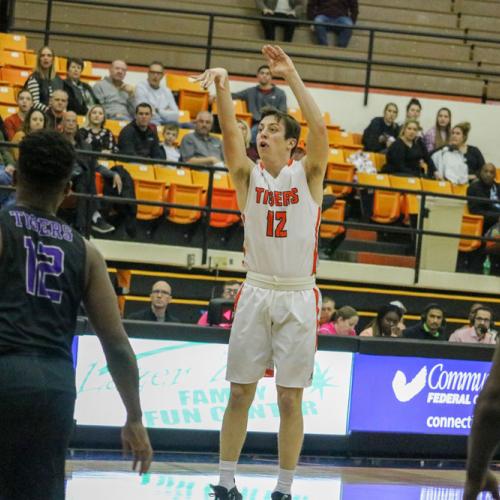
277	307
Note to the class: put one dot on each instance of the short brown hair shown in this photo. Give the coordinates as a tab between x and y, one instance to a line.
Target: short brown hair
292	126
346	312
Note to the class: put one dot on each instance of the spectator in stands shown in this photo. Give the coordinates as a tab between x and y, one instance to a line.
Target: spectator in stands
326	316
138	138
407	155
277	10
229	292
44	80
95	133
117	180
34	120
431	325
83	180
114	94
450	161
170	134
159	97
58	105
338	12
14	123
80	94
485	187
480	330
382	131
7	169
473	308
439	135
346	319
161	296
413	109
386	324
398	303
247	137
200	148
472	155
264	94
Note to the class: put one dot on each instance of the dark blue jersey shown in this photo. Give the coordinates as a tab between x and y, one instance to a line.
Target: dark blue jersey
42	279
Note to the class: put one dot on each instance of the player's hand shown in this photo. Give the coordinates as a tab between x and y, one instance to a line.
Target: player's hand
136	441
489	484
218	76
279	63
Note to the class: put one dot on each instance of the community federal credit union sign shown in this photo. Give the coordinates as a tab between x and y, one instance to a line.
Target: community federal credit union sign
415	395
183	386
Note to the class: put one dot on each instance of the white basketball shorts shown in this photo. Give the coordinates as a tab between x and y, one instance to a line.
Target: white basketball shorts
273	327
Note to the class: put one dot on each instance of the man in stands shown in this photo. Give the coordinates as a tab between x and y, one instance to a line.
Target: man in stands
480	330
431	326
114	94
159	97
339	12
327	313
81	97
13	123
485	187
161	296
58	104
262	95
200	148
139	138
83	179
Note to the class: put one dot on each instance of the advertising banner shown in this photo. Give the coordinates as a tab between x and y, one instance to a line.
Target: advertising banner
415	395
183	386
403	491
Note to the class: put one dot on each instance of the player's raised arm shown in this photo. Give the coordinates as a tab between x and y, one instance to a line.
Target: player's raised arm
317	141
102	309
236	160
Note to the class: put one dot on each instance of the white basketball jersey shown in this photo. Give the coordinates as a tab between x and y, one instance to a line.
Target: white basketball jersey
281	222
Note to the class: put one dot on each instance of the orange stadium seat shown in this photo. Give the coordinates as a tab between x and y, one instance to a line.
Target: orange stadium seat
30	59
185	195
200	177
140	172
61	64
87	73
386	204
338	139
12	41
7	95
184	116
116	126
182	133
178	82
459	189
343	173
435	186
12	59
409	202
14	76
226	199
169	175
5	111
497	175
149	190
334	214
193	101
99	183
472	225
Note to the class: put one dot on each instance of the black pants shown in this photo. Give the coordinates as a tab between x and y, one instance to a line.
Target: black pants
274	20
37	398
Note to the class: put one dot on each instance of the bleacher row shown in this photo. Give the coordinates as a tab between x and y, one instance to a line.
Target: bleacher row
184	186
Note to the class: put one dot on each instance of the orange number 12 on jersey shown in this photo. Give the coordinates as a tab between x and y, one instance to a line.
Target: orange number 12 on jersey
280	231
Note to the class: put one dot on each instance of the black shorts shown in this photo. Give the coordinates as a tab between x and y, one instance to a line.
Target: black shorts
37	399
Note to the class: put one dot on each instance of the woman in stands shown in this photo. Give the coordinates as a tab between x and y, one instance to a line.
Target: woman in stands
44	80
459	162
247	135
34	120
94	132
382	131
407	156
385	324
413	109
344	324
439	135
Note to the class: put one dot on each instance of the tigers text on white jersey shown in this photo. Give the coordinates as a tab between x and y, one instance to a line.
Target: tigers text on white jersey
281	223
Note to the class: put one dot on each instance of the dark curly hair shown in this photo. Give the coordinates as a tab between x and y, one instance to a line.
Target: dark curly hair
46	160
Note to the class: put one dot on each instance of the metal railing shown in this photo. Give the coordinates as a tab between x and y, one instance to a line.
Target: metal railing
416	232
369	62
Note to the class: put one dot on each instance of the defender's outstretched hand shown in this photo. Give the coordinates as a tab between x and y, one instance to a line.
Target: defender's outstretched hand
279	63
212	75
